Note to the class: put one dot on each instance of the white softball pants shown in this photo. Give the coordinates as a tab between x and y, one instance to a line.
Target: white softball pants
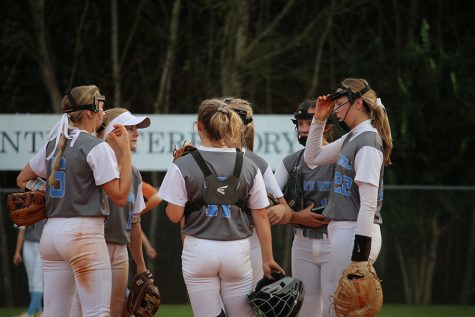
341	235
217	273
119	259
74	256
256	259
310	264
32	259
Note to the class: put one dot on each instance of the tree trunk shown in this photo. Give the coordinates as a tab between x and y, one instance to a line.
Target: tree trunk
116	77
466	288
43	55
162	102
320	48
430	262
408	294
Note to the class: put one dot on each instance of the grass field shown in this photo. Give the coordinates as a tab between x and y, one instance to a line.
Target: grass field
388	310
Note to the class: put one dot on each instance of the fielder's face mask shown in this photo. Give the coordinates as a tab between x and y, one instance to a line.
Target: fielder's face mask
95	106
343	91
301	115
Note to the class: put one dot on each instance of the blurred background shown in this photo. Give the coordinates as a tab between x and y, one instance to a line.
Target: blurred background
164	57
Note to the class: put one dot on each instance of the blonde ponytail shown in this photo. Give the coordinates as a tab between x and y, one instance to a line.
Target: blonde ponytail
221	124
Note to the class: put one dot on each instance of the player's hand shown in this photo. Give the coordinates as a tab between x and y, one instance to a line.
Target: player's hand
17	259
311	219
271	266
118	139
151	252
323	107
279	214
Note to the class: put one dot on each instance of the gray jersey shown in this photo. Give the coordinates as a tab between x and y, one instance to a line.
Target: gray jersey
316	183
119	222
33	233
222	222
259	161
344	203
75	193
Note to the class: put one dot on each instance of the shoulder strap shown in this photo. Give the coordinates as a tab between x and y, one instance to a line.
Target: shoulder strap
238	165
201	163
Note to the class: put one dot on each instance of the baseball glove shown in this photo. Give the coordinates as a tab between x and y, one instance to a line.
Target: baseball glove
26	208
359	292
144	297
293	193
186	148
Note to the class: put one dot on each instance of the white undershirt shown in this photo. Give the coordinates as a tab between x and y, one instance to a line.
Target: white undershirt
270	182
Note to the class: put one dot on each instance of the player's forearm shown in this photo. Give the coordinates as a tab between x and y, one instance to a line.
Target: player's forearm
20	240
124	160
263	233
135	247
314	142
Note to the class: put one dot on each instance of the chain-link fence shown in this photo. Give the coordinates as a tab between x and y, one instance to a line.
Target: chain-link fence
428	253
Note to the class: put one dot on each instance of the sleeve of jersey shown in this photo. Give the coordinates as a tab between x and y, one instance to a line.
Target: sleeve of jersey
315	154
271	183
173	189
38	162
139	204
368	163
368	204
103	163
281	175
258	195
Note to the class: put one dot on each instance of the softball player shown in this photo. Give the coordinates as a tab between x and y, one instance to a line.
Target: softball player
79	167
357	188
122	227
29	239
311	247
216	252
276	213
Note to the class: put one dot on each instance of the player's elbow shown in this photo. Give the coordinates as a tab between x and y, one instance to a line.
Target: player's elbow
174	212
120	201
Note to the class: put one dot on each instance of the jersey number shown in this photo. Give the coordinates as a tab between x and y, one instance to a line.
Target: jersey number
343	184
60	180
212	211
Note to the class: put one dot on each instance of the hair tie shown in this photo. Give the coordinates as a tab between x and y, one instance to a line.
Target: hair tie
223	109
380	104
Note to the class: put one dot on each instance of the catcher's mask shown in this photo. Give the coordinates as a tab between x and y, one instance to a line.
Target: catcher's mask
341	91
93	106
281	297
303	114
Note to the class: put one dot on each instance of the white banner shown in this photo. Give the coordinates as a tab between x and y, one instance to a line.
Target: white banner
21	135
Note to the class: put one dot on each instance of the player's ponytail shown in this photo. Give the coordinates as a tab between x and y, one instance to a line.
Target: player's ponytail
247	114
381	122
377	113
83	95
221	124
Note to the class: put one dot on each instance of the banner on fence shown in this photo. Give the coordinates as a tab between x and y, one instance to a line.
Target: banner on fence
21	135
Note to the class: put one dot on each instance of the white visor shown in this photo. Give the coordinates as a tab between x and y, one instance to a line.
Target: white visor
126	119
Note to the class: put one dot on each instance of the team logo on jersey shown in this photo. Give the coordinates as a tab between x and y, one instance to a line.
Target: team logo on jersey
222	189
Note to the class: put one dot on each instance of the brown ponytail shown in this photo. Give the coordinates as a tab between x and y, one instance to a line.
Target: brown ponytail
241	104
